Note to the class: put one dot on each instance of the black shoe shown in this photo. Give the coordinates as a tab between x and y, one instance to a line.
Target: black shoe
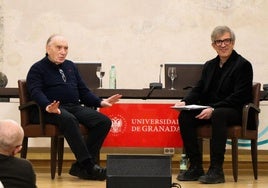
74	169
78	171
96	173
192	174
213	176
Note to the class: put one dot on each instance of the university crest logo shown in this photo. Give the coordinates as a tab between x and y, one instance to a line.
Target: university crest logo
118	125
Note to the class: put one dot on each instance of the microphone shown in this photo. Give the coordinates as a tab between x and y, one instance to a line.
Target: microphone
157	85
161	66
149	93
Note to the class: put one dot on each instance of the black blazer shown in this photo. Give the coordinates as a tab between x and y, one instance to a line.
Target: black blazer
16	172
235	86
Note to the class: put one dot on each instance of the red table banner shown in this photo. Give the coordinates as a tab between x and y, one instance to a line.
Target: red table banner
142	125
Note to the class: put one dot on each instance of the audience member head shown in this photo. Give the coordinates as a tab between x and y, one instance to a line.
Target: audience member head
11	137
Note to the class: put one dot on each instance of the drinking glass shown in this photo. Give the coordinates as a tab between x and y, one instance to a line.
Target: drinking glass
100	74
172	74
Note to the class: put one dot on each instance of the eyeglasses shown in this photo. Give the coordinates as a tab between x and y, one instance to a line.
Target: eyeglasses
62	75
224	41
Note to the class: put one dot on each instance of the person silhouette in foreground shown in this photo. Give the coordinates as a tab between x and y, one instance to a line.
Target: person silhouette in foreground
14	171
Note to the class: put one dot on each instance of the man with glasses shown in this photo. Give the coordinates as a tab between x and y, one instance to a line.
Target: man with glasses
225	86
57	87
14	172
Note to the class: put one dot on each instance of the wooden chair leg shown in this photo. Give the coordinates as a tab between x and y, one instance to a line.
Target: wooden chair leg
200	145
23	152
53	156
254	157
235	158
60	154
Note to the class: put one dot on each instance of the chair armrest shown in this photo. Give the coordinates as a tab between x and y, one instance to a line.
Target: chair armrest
27	105
40	112
247	110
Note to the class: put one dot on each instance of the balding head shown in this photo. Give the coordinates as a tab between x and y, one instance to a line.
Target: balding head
54	37
57	48
11	136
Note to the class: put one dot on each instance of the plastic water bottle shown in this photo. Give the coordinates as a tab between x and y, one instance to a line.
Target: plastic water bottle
183	163
112	79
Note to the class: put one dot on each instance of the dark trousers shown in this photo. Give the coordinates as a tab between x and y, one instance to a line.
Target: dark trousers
68	122
220	120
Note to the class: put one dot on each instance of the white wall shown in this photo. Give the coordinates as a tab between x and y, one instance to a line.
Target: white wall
136	36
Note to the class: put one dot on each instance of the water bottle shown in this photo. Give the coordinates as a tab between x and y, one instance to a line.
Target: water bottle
183	163
112	79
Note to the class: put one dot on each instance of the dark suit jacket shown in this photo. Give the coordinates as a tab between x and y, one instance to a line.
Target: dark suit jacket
16	172
235	85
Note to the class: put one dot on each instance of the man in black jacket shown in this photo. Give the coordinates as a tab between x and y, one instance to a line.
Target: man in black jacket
14	172
225	86
55	84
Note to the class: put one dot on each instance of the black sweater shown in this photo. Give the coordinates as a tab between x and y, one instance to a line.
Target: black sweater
45	84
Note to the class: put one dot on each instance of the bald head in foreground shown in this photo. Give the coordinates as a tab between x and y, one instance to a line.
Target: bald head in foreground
14	172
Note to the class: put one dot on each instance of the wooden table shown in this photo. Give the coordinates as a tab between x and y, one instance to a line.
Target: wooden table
104	93
141	93
7	93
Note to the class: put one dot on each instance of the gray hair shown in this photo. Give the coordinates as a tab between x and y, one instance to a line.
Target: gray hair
52	37
219	31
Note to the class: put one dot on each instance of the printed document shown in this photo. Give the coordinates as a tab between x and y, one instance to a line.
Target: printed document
190	107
